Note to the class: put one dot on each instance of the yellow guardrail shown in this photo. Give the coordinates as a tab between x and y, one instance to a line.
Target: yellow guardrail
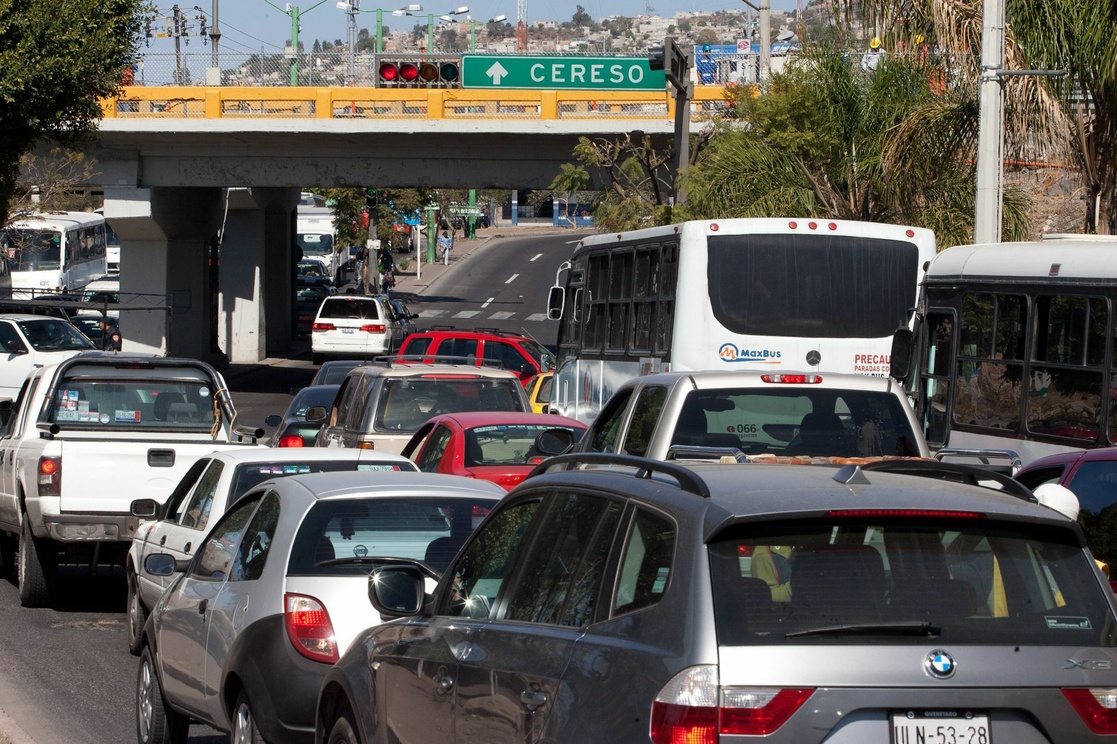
401	103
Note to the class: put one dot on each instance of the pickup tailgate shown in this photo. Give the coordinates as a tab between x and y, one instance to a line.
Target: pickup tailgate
103	476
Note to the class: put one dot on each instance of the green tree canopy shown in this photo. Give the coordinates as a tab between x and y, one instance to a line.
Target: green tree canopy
57	60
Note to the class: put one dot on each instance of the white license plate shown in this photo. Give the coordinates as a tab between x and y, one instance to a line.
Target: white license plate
949	728
348	330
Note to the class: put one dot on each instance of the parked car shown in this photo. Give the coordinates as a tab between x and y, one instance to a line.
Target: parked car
539	391
521	355
307	301
404	318
278	590
379	406
206	491
335	370
351	326
1091	475
498	447
90	325
314	272
648	601
293	430
31	341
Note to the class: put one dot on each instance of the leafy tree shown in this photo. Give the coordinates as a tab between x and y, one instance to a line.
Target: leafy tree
829	141
57	60
581	17
638	176
706	36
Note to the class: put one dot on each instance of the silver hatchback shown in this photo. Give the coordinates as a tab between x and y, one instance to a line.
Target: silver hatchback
645	601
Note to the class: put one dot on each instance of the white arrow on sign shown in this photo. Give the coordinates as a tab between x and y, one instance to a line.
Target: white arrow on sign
496	72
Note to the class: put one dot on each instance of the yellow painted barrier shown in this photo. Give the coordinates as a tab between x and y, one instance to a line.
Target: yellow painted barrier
402	103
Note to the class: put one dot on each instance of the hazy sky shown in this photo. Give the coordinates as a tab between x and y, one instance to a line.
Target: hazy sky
249	25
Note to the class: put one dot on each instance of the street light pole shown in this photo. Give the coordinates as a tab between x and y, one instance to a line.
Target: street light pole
294	13
990	142
764	9
354	6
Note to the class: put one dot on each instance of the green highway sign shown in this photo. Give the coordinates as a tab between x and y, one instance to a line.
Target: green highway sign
567	73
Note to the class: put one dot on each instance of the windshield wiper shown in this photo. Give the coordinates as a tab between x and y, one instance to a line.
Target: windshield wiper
906	629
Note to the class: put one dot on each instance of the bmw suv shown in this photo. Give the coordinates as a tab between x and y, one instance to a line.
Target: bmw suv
633	600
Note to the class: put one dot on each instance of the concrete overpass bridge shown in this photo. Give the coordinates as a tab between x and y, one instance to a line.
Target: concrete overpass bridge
190	173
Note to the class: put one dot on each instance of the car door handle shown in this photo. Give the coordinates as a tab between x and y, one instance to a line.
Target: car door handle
203	606
443	682
163	540
186	548
533	699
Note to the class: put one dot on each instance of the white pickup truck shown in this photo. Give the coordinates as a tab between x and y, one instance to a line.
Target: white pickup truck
88	436
761	415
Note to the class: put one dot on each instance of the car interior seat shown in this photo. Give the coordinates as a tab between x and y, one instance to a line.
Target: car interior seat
441	551
164	402
692	427
474	455
820	433
836	584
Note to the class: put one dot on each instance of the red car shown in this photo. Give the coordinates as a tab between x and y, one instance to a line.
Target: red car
497	446
522	355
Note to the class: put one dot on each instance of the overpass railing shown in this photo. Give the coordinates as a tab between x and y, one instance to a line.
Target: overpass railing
188	102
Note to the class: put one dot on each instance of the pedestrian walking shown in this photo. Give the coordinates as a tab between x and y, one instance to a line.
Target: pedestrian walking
445	244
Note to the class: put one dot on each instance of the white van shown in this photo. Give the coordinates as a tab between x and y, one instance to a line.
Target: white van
102	292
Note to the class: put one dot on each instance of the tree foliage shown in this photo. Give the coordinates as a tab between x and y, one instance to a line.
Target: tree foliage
57	60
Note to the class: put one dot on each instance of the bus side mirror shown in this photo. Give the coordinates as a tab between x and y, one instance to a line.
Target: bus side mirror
903	342
555	301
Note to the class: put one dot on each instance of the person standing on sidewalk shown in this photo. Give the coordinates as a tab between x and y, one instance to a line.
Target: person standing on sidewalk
445	243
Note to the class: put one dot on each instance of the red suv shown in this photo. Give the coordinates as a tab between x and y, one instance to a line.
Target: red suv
521	355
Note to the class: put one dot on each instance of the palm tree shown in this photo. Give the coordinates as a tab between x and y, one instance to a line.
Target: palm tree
830	141
1074	117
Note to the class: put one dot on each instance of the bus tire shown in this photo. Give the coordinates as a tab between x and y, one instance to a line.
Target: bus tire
37	569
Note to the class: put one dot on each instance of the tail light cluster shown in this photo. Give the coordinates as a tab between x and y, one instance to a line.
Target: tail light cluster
50	476
792	379
694	709
309	628
290	440
1096	706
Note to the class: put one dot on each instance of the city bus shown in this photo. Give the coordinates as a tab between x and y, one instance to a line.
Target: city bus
781	295
55	252
1015	347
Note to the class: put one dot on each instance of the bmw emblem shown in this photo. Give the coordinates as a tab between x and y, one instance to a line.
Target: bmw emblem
940	665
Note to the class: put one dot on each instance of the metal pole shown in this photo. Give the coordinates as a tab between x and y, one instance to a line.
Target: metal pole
430	33
352	71
990	143
177	21
215	35
294	76
379	30
765	41
473	36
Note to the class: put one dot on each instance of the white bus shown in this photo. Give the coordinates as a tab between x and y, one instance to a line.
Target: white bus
770	294
314	234
55	252
1016	346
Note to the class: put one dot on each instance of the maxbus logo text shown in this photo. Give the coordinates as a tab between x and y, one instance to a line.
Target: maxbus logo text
733	353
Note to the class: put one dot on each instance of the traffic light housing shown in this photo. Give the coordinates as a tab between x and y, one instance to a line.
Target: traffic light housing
673	61
370	198
419	73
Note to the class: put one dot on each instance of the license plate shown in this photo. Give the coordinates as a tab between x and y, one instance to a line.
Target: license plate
949	727
348	330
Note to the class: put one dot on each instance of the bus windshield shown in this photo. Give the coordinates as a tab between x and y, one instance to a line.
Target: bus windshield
35	250
812	287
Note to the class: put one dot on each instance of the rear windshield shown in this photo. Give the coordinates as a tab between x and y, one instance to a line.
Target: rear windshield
133	403
247	476
879	580
350	309
797	421
344	537
405	404
510	444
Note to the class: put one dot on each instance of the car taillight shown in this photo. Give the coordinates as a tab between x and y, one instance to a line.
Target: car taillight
290	440
693	709
309	628
50	476
323	327
1096	706
792	379
903	514
373	328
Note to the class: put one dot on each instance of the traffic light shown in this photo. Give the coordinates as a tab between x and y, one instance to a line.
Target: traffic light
655	58
419	73
370	198
672	60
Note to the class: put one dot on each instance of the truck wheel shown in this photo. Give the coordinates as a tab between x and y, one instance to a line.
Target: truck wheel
37	569
137	615
156	722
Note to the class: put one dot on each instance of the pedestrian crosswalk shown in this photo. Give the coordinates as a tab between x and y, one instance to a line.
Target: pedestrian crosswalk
474	315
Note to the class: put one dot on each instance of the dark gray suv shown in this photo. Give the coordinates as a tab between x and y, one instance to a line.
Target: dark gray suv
646	601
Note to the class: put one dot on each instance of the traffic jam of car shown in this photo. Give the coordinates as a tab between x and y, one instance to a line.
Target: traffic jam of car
425	550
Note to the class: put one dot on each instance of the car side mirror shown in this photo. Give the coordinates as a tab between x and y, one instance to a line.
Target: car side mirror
13	346
273	420
145	508
555	300
316	414
396	591
163	564
903	343
553	442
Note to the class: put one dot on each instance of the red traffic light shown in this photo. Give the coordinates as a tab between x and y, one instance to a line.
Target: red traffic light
419	72
408	72
389	72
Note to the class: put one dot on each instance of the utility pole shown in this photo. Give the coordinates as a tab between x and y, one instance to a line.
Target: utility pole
764	9
214	74
295	14
354	6
176	22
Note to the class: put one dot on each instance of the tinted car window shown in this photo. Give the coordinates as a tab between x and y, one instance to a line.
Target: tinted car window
607	428
416	345
435	449
195	510
133	403
508	444
253	474
645	414
50	334
406	403
487	563
508	356
1095	485
646	564
350	309
216	554
974	581
254	548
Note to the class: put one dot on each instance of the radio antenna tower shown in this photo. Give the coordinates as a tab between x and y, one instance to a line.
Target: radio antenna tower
521	25
649	9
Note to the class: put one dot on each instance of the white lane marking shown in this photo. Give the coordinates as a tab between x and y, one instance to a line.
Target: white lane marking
535	317
432	313
501	316
467	313
486	302
511	278
572	242
537	257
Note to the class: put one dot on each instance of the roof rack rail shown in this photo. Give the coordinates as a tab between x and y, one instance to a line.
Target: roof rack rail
645	468
968	474
983	456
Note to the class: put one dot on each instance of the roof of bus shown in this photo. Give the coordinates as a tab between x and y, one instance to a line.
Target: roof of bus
1061	256
56	219
796	225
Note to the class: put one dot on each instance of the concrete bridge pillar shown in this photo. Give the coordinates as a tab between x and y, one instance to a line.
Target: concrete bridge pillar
256	303
164	278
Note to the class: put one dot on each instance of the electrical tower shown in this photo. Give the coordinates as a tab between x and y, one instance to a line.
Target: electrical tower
521	25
